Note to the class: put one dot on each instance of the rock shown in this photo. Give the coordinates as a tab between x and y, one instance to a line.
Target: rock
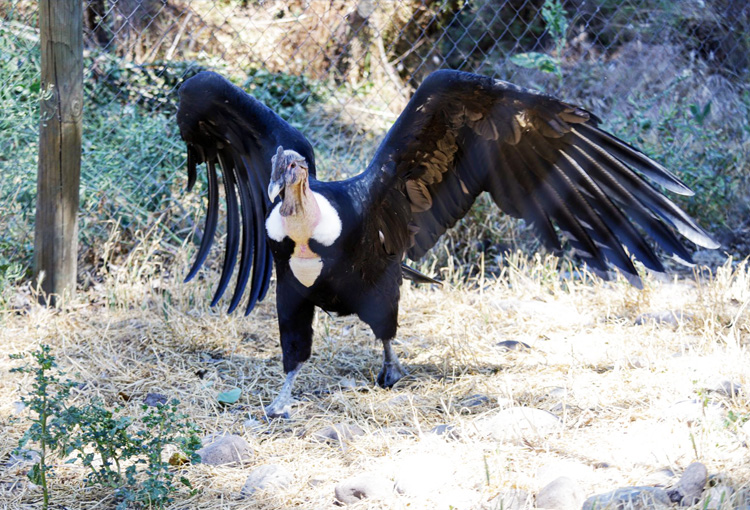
266	477
339	432
228	449
446	430
513	499
364	486
668	317
155	399
561	494
727	388
513	345
422	474
629	498
519	422
690	487
717	498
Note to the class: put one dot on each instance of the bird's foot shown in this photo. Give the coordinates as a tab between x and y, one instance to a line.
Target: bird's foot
390	374
279	408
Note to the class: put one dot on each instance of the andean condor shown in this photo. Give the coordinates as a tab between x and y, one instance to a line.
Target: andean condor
340	245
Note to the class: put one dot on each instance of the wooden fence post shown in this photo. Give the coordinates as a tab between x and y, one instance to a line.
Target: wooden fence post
58	176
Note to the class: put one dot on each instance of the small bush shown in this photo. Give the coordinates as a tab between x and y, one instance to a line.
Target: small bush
120	452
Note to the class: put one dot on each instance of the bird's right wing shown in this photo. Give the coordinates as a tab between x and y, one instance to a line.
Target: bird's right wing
222	124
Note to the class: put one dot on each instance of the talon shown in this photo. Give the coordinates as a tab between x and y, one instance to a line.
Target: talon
390	374
278	410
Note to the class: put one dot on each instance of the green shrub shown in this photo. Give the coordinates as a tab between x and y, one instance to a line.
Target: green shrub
120	452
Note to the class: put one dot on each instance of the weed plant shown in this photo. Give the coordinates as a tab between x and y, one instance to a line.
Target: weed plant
120	452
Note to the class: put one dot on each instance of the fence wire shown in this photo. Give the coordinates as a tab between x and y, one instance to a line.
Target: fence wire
341	71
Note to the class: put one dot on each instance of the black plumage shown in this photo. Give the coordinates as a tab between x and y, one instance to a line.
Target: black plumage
461	134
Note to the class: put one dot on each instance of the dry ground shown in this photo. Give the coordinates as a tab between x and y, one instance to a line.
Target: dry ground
609	360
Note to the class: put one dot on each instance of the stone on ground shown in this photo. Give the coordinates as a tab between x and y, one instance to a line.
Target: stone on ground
363	486
266	477
228	449
563	493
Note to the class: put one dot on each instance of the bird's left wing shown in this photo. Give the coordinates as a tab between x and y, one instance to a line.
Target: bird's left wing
540	158
222	124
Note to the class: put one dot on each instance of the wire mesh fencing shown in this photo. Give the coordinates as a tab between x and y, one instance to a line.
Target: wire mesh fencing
670	76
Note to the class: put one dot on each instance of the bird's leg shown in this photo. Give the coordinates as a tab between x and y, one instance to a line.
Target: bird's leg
282	404
295	316
392	370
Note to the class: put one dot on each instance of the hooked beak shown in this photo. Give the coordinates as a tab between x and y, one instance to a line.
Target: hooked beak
274	188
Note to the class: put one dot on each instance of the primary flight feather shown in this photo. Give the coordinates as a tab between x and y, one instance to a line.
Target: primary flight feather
340	245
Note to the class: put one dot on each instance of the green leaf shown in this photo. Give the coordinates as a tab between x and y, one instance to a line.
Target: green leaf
229	397
35	474
535	60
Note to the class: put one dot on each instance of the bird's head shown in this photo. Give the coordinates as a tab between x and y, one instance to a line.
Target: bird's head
289	173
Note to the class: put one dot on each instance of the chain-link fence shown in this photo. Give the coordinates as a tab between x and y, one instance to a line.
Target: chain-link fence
669	76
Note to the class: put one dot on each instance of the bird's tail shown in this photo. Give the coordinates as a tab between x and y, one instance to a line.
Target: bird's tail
412	274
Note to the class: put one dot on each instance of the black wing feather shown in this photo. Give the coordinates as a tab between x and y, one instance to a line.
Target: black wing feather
541	159
212	215
233	231
220	122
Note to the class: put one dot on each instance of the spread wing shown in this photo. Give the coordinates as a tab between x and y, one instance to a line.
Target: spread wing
540	159
222	124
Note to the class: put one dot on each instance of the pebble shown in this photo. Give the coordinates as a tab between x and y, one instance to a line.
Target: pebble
629	498
690	487
227	449
266	477
446	430
363	486
339	432
563	493
513	499
513	345
519	423
727	388
422	474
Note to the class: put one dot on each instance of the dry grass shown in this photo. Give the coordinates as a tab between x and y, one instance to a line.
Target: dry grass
613	382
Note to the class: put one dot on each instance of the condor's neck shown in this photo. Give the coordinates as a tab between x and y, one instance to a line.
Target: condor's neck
300	212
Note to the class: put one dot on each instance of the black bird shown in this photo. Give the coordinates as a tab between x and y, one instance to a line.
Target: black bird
340	245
